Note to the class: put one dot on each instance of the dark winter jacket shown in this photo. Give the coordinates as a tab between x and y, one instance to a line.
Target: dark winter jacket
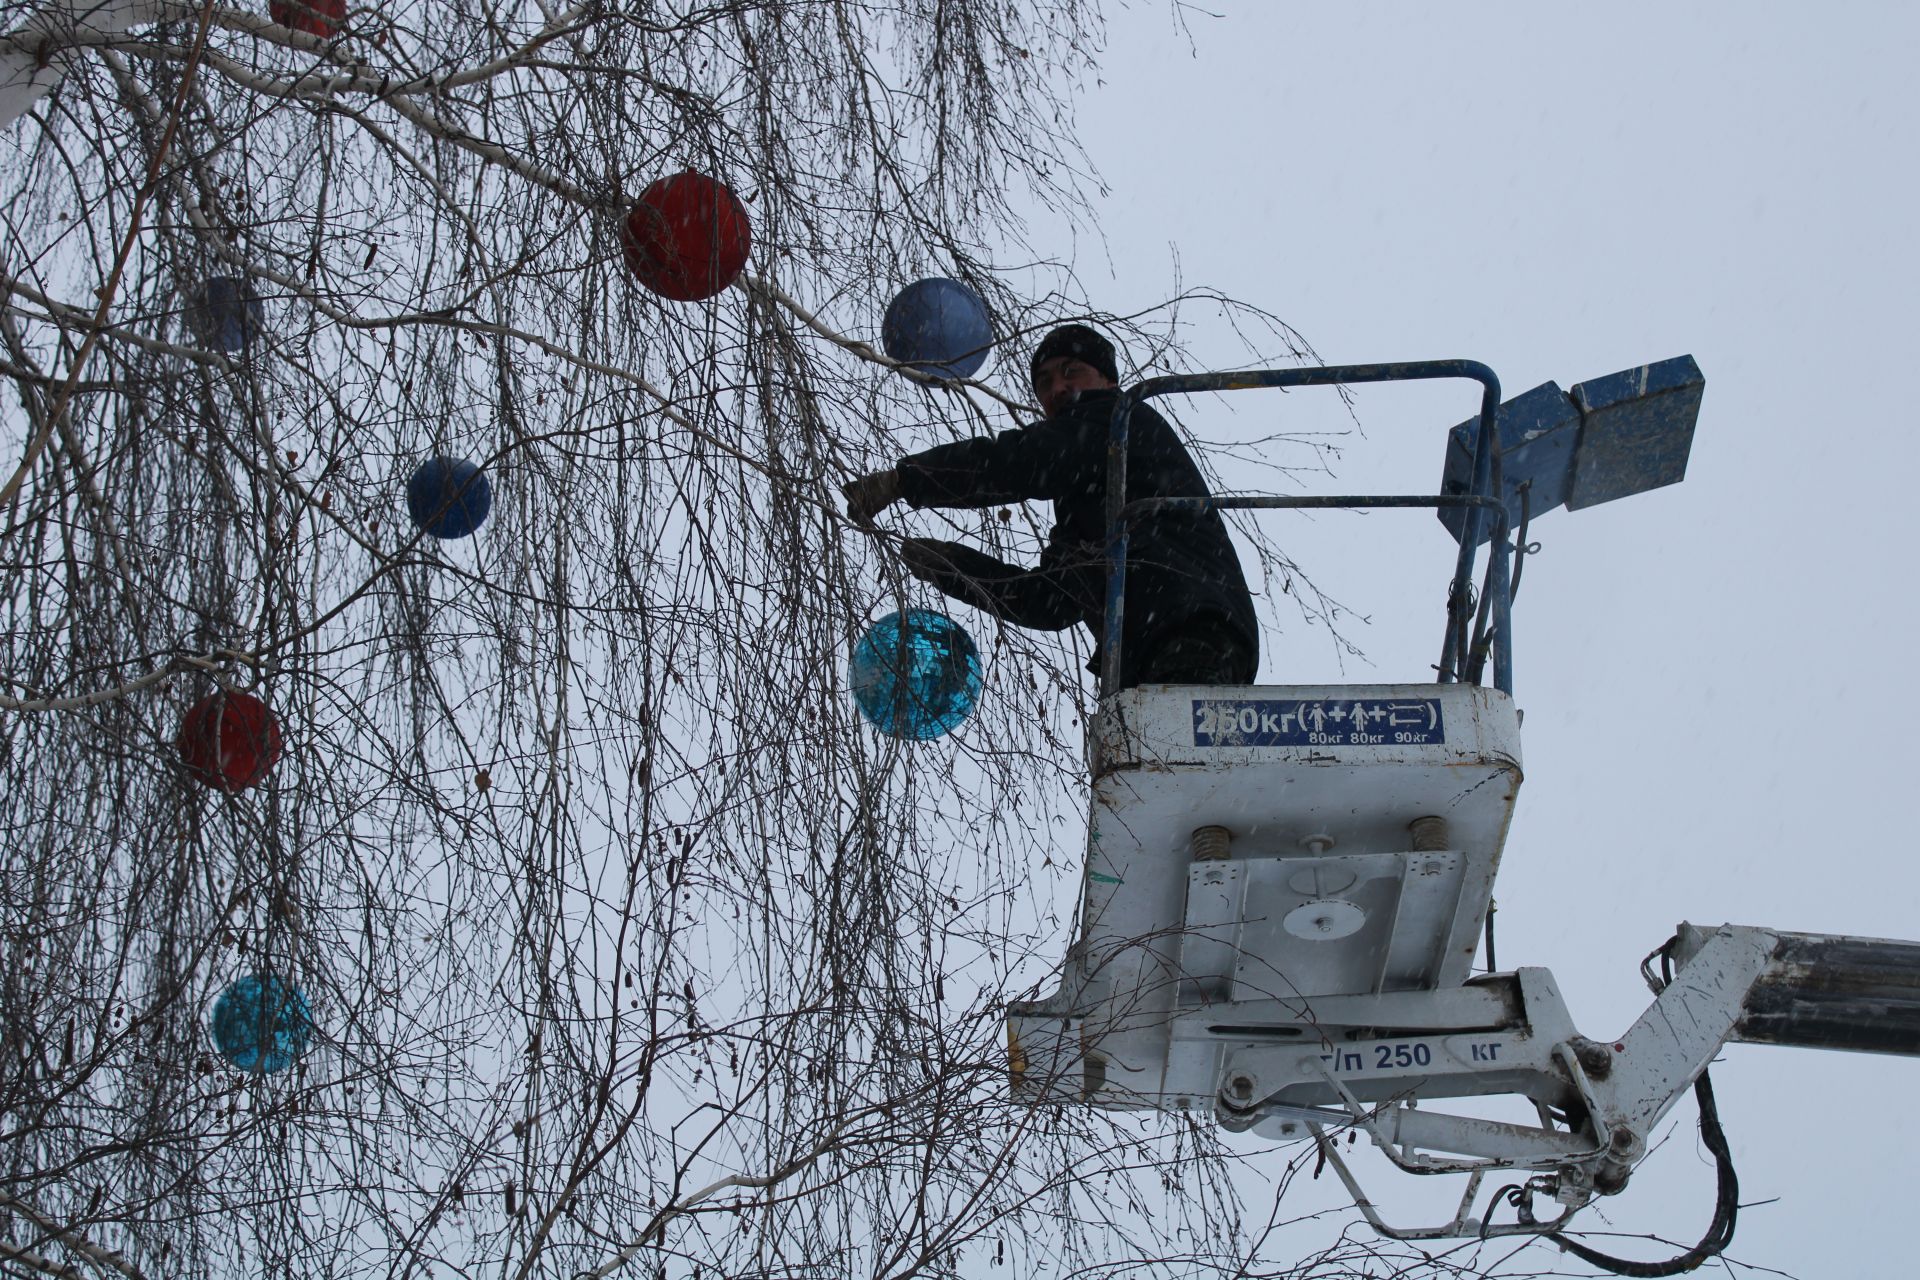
1181	567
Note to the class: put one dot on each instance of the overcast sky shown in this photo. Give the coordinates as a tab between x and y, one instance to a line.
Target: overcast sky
1717	677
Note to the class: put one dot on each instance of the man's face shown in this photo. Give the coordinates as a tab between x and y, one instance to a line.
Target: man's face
1057	381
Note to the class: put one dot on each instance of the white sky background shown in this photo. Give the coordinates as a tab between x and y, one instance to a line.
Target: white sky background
1717	676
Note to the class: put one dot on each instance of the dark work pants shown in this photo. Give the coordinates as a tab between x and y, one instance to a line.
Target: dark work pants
1205	649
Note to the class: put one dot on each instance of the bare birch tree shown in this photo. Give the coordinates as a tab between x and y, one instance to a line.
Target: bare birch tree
628	947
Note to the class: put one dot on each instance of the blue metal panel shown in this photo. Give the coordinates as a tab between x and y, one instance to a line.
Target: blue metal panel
1538	432
1637	430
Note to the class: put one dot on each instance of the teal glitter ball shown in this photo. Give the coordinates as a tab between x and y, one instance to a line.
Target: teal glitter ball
261	1023
916	674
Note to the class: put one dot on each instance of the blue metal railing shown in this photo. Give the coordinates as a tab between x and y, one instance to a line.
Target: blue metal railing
1463	652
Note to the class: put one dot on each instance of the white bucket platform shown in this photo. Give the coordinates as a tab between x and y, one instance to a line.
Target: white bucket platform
1348	840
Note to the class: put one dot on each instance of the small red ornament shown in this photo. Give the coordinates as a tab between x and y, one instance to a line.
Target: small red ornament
688	237
315	17
229	740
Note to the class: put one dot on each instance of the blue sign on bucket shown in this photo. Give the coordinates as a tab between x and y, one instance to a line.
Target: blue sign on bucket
916	674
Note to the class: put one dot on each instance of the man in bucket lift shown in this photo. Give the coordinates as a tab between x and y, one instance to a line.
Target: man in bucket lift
1188	616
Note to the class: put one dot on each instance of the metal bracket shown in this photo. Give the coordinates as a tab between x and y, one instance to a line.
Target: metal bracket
1464	1223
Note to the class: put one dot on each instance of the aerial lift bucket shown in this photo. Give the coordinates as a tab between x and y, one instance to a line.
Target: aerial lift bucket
1285	886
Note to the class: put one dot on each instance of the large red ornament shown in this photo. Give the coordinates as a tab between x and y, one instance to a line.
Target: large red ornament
229	740
315	17
688	237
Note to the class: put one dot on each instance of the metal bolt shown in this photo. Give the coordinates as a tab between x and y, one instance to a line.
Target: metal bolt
1429	834
1595	1059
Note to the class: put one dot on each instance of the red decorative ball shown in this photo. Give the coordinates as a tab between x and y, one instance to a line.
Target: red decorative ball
688	237
229	740
315	17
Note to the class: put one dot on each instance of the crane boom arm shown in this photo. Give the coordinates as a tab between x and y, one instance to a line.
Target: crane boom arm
1288	1068
1828	991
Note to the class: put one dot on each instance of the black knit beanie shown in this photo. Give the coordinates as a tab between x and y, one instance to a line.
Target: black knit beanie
1080	342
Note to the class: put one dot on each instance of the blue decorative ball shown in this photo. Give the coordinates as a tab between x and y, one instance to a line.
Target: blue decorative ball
916	674
938	326
449	497
261	1023
223	313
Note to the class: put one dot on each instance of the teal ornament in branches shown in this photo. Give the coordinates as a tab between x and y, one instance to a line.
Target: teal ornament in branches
916	674
261	1024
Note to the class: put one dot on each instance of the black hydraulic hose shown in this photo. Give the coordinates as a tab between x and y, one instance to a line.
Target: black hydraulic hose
1726	1207
1520	547
1482	638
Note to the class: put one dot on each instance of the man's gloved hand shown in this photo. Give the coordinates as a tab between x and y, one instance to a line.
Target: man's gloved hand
925	558
871	494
